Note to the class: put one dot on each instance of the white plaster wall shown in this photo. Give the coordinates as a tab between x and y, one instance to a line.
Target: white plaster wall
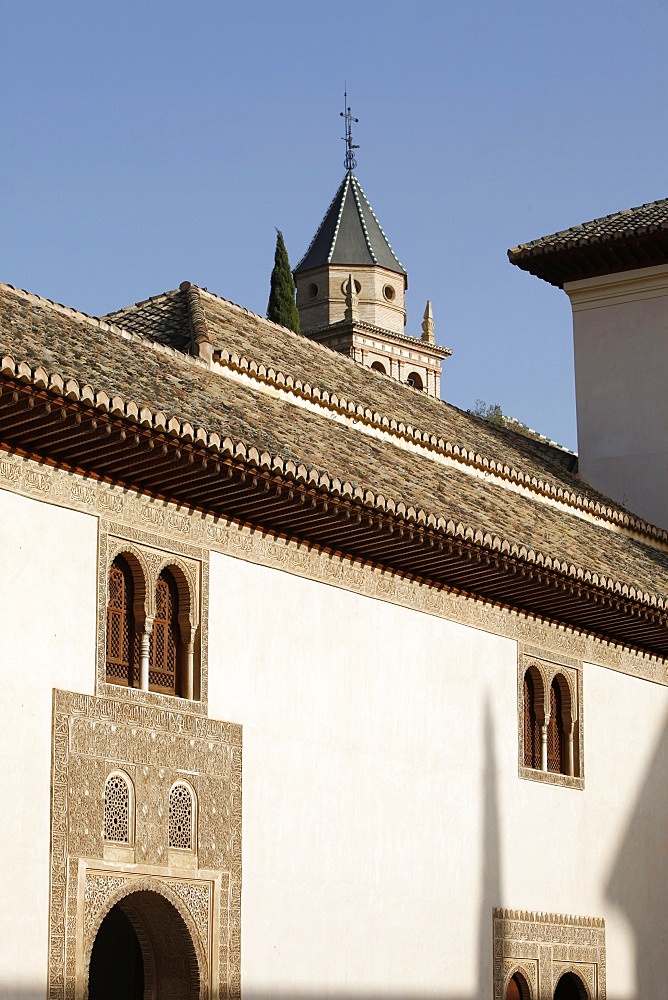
47	625
383	814
621	373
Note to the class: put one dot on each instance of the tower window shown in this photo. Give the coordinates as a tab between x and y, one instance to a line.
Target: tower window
312	290
389	293
415	380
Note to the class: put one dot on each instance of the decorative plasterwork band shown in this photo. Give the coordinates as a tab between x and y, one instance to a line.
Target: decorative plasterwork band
190	532
545	946
93	737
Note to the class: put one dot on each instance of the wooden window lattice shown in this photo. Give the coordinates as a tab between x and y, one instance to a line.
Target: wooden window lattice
121	641
531	725
555	732
165	642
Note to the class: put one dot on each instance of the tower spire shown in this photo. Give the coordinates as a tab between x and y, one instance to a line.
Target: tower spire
350	161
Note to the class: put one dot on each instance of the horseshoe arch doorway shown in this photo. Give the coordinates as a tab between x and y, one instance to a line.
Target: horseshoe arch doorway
143	950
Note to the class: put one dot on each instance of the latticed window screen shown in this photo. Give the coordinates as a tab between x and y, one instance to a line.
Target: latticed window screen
121	644
181	817
165	645
555	732
531	726
117	809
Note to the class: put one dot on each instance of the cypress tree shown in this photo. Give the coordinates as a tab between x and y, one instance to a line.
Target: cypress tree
282	307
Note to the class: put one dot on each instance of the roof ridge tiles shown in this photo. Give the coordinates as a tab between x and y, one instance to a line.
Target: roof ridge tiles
346	185
468	456
580	226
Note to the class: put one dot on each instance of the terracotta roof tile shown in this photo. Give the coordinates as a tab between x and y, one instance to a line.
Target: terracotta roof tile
632	238
127	365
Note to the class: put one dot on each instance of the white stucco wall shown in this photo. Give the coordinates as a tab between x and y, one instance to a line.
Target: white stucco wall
47	624
383	815
621	373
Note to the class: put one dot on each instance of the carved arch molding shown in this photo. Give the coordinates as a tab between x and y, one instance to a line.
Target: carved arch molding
545	946
92	737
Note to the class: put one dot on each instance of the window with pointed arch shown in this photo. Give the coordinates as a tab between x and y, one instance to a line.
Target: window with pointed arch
532	733
122	646
556	751
550	712
118	825
182	817
165	649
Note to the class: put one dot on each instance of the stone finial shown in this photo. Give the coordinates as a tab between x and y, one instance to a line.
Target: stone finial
352	300
428	324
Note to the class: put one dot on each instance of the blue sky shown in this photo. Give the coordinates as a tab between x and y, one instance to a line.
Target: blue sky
147	143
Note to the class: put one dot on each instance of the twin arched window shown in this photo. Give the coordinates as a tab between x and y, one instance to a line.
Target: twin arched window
548	725
124	648
119	813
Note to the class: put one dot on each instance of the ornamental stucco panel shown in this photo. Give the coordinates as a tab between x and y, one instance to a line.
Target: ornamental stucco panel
93	737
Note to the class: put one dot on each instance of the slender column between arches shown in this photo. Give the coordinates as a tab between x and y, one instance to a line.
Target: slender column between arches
570	757
188	685
144	655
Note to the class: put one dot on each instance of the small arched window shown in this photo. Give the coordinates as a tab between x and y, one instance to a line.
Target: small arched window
118	825
531	724
556	755
415	380
182	817
120	624
165	645
378	366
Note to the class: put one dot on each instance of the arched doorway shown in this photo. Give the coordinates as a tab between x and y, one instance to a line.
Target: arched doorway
143	950
570	987
116	964
517	988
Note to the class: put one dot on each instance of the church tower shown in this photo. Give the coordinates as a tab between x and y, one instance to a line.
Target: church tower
351	290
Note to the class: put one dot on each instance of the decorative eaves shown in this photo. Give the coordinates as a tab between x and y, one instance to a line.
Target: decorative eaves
626	240
249	455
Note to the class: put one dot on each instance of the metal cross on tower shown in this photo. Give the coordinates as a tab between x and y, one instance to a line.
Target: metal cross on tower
350	162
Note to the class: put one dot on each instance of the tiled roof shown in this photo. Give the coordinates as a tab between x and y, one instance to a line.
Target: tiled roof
279	394
632	238
350	233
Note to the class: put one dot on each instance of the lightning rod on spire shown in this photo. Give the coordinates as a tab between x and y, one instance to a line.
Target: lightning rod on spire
350	161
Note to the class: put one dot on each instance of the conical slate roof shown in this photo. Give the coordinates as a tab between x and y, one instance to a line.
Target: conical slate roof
350	233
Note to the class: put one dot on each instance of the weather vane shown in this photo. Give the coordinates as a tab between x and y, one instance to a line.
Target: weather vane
350	162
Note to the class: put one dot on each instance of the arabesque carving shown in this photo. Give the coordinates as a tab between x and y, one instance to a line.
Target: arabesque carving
543	947
94	737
